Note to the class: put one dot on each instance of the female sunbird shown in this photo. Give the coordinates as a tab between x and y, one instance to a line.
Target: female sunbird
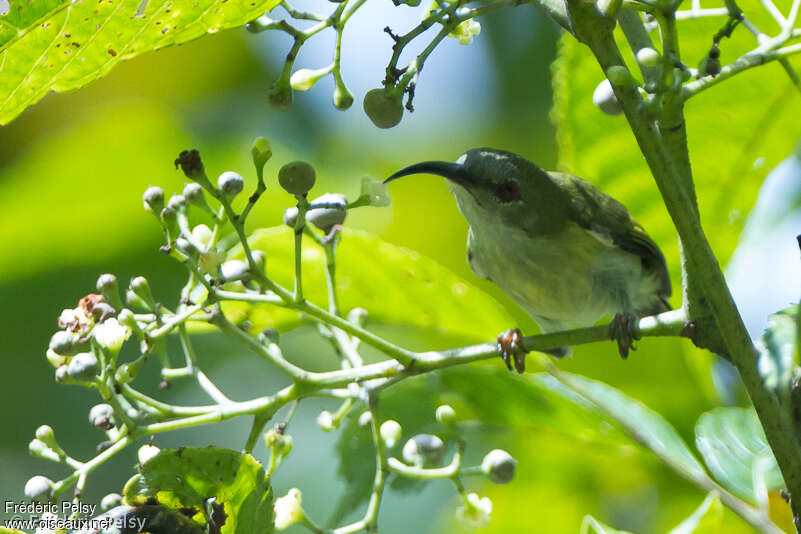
563	250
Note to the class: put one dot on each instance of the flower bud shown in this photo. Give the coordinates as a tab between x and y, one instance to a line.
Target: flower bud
46	434
304	79
465	31
475	513
326	421
604	97
365	419
290	217
648	57
445	414
102	416
62	343
423	450
230	183
61	373
107	283
140	286
358	316
384	107
153	199
343	99
193	193
39	488
390	431
233	270
261	151
146	452
112	500
499	466
297	177
325	218
259	258
39	449
177	203
83	366
288	510
186	247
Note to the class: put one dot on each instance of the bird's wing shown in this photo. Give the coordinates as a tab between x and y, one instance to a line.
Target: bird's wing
610	222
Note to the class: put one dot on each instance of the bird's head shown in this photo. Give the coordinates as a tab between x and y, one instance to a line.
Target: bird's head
493	186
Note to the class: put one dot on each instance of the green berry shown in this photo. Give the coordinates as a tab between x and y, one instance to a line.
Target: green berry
383	107
297	177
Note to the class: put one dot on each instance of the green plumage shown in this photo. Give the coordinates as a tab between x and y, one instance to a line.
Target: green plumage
566	252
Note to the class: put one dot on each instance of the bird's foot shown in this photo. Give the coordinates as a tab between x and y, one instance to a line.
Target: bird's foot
623	330
510	348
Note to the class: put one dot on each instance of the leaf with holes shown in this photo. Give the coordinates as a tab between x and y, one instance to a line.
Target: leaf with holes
63	45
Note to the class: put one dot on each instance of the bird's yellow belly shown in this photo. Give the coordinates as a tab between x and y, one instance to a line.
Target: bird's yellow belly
563	281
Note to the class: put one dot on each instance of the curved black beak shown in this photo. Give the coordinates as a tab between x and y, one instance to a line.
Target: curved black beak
455	172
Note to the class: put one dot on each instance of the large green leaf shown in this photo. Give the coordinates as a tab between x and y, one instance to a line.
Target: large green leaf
734	448
187	478
63	45
644	425
397	286
737	131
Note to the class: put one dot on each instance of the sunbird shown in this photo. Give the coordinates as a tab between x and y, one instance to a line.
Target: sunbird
563	250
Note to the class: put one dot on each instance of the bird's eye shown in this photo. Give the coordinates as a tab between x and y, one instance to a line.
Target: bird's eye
508	191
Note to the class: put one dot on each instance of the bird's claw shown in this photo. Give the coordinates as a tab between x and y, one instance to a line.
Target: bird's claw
623	330
510	348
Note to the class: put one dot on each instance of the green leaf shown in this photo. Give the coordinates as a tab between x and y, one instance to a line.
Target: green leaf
737	132
4	530
778	355
736	451
644	425
706	518
590	525
63	45
187	478
396	285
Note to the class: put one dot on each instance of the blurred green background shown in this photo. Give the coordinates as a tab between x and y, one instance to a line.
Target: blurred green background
72	170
